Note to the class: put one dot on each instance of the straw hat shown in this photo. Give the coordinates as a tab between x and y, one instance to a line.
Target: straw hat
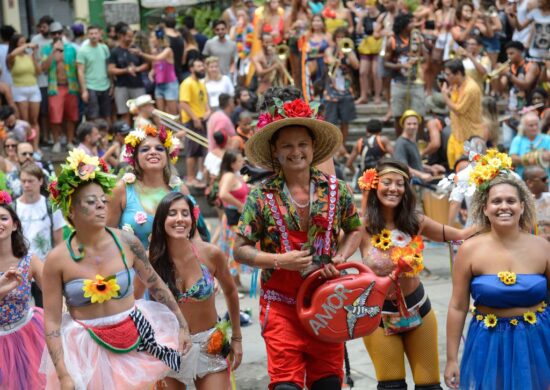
407	114
328	137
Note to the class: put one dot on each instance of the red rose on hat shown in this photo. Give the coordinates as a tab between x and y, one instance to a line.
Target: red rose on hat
297	109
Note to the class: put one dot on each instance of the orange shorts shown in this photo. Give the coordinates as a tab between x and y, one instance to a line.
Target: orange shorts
63	106
292	354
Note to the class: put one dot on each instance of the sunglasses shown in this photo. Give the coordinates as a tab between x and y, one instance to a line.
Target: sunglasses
25	154
10	146
544	179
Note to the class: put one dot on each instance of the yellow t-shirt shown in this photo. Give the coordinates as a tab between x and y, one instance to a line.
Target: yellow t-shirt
23	72
466	118
193	92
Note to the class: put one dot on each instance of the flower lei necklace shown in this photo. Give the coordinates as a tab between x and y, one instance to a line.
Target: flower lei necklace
401	246
244	39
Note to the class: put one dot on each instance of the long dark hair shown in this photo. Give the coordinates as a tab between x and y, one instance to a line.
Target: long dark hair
19	244
166	172
229	157
158	250
12	45
405	215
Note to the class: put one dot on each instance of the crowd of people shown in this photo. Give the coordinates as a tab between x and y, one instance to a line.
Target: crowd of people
109	269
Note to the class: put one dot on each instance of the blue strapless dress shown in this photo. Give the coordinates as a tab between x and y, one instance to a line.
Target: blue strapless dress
513	354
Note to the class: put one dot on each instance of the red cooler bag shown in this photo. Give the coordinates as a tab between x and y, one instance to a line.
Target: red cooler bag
343	308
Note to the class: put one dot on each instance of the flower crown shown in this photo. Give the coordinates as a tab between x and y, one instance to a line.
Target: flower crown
488	167
5	198
135	137
79	168
297	108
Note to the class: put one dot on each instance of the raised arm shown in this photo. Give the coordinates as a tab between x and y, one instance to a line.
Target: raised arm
159	290
439	232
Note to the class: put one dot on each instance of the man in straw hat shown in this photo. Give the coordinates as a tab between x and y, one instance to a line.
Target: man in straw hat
296	215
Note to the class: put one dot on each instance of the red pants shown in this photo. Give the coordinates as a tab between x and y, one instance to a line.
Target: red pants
292	354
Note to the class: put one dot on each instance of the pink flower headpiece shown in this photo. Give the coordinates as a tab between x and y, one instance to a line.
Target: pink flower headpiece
5	198
294	109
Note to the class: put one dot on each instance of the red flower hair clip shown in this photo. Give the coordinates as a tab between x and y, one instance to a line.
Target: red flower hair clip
196	212
5	198
369	180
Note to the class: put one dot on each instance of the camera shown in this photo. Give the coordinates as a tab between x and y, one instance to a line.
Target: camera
442	79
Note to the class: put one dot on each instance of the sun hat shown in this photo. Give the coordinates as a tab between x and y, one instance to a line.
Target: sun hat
140	101
407	114
328	137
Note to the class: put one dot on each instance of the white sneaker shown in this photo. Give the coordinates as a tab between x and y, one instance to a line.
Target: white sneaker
70	146
56	148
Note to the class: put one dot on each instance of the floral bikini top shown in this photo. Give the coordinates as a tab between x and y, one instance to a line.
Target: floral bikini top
389	246
202	289
15	304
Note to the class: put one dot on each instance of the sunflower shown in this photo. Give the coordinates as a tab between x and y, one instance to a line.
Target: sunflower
102	289
78	158
544	304
479	317
385	245
379	242
386	234
530	317
507	278
514	322
490	320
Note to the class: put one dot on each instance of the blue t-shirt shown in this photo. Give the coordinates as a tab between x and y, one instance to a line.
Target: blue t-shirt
522	145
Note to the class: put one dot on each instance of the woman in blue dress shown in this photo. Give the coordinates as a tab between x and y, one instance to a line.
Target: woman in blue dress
506	270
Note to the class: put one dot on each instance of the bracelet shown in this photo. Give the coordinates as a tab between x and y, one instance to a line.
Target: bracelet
444	238
237	338
276	265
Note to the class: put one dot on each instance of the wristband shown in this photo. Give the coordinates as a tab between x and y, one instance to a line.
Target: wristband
276	265
237	338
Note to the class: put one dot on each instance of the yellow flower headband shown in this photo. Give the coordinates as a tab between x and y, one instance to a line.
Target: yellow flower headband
488	167
135	137
78	169
369	179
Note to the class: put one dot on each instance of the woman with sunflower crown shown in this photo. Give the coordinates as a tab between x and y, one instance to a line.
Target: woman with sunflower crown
394	232
21	326
506	270
107	339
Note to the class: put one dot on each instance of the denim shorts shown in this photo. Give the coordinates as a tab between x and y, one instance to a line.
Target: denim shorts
167	91
491	45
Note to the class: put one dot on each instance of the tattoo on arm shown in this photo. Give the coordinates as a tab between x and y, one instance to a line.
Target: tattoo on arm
245	251
54	333
56	355
149	276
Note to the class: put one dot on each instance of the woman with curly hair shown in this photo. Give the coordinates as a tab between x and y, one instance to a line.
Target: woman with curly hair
189	269
394	231
21	326
506	271
107	339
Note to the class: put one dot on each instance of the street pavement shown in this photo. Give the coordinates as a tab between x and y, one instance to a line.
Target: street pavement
252	374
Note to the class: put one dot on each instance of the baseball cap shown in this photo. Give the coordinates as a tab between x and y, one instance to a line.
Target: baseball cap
121	127
56	26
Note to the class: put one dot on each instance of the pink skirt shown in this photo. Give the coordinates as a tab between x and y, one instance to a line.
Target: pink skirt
20	350
94	367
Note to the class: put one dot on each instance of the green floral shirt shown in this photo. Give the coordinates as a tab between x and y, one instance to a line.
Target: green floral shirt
258	225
